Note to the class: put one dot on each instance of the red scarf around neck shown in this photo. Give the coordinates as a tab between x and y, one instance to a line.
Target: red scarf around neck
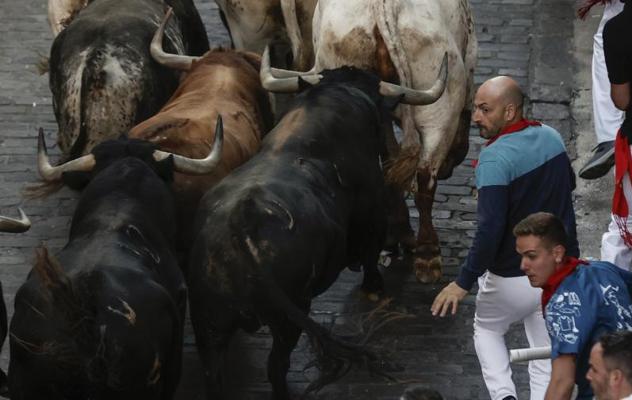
555	280
515	127
620	207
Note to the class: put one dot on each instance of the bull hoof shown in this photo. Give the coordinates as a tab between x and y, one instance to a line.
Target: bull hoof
374	297
428	271
373	288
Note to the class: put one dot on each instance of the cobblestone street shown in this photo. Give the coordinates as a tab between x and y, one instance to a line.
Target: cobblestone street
531	40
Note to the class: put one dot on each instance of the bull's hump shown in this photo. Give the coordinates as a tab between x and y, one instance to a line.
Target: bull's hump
291	123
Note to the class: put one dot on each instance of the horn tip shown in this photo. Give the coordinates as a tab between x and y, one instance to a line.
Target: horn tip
41	141
24	217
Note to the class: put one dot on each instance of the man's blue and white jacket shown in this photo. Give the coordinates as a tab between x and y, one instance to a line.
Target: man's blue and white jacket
519	174
593	300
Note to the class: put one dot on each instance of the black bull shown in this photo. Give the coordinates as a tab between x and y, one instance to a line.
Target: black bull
103	319
102	76
279	229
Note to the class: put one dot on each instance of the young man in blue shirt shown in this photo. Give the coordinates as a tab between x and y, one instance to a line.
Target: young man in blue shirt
581	300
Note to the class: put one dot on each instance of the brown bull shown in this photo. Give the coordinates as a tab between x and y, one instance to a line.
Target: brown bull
222	82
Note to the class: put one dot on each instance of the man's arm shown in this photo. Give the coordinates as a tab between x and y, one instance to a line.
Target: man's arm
447	299
562	378
620	95
493	203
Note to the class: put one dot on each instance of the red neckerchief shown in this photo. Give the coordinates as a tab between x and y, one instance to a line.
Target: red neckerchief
515	127
587	5
554	281
622	164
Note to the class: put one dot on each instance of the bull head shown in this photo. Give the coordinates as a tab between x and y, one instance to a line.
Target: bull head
15	225
286	81
86	163
175	61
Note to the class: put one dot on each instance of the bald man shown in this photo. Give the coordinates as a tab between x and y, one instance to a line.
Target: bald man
523	168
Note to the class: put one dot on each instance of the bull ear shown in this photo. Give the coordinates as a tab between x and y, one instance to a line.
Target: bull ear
76	180
251	58
50	273
165	168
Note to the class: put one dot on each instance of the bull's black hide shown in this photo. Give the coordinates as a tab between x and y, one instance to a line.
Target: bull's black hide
103	318
279	229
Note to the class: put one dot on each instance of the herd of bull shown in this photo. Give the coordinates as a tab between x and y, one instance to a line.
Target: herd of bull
192	193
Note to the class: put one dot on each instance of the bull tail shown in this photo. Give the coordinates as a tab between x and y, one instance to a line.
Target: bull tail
42	65
335	356
46	188
402	166
77	148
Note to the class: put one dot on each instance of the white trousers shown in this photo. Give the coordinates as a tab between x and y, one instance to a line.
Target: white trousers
499	303
606	116
613	248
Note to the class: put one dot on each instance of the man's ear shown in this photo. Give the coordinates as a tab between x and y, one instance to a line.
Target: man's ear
559	252
615	377
510	111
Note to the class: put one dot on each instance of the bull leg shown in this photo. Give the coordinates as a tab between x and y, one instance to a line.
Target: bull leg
373	283
211	346
285	336
212	349
459	147
399	230
427	254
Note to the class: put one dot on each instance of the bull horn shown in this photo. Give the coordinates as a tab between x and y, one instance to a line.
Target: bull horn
50	173
15	225
419	97
286	73
287	84
175	61
203	166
